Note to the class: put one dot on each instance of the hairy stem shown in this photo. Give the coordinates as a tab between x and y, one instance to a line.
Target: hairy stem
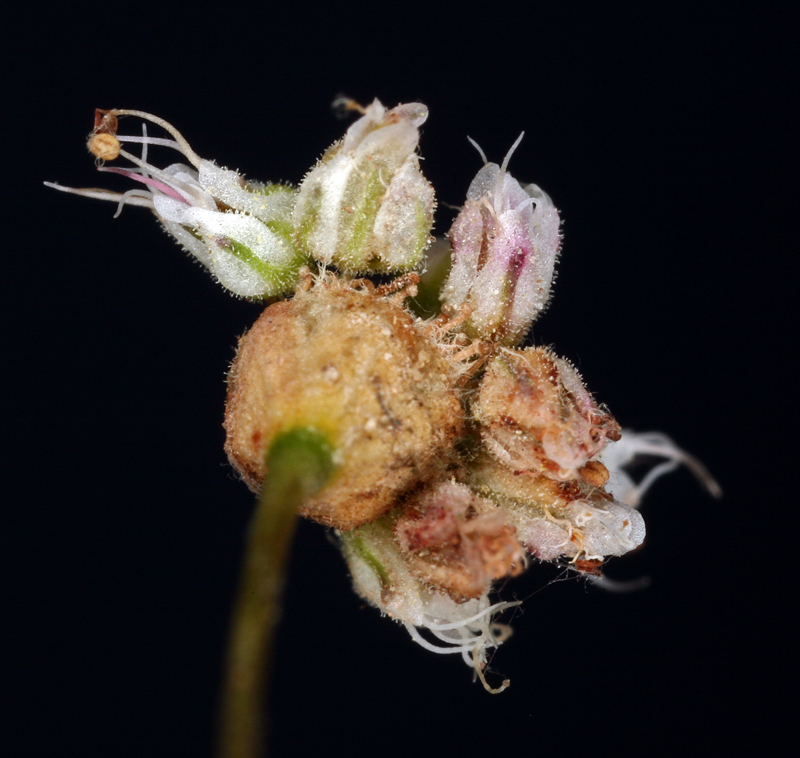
299	464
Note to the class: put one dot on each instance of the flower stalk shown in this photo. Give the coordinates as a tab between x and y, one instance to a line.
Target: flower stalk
300	463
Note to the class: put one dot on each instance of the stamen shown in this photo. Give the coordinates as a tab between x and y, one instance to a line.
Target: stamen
496	608
184	147
98	194
616	585
342	106
511	152
104	146
654	443
651	476
420	640
479	670
162	142
478	148
132	193
177	184
144	144
526	203
455	640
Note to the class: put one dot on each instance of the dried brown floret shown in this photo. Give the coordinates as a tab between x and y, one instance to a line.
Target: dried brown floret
457	541
555	519
536	415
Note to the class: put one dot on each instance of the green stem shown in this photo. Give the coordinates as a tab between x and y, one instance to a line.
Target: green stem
299	464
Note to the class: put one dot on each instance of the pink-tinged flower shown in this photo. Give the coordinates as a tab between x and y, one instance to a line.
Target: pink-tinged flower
505	243
458	542
240	230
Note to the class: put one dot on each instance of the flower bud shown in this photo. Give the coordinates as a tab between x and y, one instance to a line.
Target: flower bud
366	205
354	366
536	415
505	242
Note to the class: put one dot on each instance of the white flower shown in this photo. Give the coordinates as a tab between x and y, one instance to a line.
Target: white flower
366	205
241	231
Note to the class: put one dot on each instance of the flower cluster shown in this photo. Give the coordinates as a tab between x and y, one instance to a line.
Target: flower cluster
460	456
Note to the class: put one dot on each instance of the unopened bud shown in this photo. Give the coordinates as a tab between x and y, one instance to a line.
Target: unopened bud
366	205
505	242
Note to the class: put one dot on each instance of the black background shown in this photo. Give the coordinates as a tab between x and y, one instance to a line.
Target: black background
661	132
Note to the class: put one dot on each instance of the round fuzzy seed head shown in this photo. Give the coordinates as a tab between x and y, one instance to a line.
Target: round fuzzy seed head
352	365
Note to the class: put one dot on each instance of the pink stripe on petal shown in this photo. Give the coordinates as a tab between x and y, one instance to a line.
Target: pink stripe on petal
160	186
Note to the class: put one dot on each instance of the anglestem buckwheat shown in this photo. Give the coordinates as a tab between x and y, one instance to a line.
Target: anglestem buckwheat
452	457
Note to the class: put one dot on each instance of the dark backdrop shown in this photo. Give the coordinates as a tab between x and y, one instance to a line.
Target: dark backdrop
660	131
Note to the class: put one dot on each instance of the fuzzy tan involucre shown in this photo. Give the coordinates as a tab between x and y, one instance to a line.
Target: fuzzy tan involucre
355	366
